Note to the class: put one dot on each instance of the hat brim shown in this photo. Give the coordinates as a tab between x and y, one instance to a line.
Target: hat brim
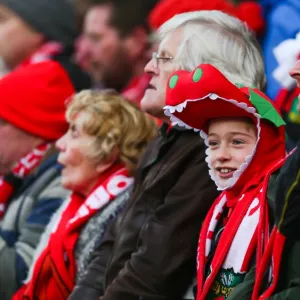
196	114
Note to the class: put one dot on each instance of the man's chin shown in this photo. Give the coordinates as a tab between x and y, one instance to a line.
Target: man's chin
97	79
147	106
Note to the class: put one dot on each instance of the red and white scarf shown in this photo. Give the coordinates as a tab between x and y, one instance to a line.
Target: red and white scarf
55	270
11	182
246	233
193	100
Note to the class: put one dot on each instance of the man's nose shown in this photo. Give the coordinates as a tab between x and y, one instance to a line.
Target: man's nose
150	67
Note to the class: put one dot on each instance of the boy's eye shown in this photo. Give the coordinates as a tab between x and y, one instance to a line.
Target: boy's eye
238	142
212	143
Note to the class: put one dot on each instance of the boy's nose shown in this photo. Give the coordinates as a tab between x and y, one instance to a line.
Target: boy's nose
223	154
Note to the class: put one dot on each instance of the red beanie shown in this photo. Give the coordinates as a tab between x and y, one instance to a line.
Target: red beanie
249	12
33	98
166	9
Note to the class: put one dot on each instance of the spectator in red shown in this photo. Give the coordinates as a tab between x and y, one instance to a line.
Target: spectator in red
35	30
99	155
114	45
32	110
247	11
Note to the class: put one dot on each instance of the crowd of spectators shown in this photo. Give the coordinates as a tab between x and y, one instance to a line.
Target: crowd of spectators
148	149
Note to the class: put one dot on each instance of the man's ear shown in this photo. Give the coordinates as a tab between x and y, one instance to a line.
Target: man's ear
136	42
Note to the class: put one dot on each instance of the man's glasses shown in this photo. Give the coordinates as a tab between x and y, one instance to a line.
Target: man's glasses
156	58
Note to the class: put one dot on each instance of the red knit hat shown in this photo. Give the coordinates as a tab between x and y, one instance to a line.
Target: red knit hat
33	99
249	11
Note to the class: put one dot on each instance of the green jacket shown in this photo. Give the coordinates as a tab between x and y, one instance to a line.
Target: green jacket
283	196
289	280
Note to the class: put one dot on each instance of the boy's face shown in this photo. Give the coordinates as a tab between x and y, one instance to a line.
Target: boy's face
230	141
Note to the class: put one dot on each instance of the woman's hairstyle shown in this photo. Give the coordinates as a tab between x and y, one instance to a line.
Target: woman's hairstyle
118	126
213	37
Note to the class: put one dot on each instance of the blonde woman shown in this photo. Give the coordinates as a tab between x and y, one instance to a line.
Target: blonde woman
99	155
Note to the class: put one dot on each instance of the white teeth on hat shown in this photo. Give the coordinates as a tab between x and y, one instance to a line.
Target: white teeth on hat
178	108
173	119
171	109
181	124
213	96
181	106
176	121
203	135
257	116
243	105
251	110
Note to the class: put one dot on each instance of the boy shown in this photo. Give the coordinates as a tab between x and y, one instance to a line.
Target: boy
246	144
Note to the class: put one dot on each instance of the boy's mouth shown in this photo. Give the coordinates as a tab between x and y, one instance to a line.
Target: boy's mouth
225	172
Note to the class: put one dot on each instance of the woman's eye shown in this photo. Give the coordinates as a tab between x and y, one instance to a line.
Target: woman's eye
74	132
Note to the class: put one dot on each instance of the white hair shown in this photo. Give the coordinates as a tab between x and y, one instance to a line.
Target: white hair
213	37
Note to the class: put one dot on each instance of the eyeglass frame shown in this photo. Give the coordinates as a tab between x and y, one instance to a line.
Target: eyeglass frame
156	57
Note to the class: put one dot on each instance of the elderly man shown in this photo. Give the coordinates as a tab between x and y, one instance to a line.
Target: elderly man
32	118
150	252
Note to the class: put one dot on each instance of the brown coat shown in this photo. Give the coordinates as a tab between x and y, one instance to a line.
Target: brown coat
150	252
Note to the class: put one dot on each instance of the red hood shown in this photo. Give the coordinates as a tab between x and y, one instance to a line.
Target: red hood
193	98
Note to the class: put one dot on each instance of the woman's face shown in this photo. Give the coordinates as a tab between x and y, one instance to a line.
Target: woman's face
80	173
230	141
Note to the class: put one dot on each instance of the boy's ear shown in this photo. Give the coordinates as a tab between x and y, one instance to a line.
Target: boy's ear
136	42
